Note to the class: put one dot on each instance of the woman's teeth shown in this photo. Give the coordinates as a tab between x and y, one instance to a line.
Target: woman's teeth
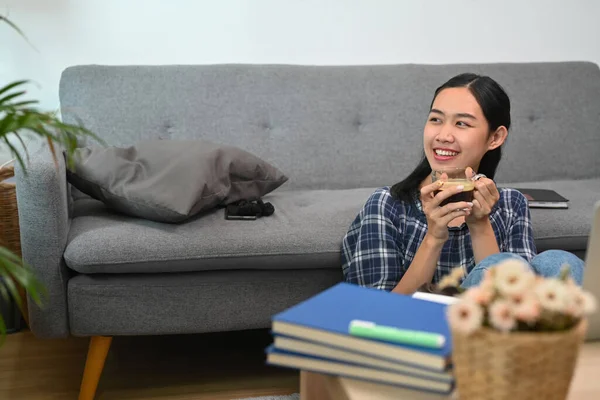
445	153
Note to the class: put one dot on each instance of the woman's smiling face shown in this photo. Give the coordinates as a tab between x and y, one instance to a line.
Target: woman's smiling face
457	133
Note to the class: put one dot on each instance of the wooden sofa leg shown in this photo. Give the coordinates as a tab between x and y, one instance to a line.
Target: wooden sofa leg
97	352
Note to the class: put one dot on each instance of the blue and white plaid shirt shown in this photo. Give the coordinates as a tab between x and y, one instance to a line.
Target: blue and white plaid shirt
382	241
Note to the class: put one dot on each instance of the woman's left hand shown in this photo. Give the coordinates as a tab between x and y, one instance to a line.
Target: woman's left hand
485	197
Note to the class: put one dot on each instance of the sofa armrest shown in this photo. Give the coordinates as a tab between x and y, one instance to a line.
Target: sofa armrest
43	204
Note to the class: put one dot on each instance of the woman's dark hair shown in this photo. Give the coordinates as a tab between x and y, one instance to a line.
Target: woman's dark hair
494	103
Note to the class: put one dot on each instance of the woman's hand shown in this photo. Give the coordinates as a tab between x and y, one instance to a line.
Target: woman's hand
438	217
485	197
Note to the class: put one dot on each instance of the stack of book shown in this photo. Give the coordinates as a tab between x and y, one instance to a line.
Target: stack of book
367	334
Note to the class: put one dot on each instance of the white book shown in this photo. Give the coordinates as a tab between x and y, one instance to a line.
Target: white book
436	298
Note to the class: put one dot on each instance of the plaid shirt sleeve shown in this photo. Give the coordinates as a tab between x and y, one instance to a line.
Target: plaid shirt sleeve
371	254
519	238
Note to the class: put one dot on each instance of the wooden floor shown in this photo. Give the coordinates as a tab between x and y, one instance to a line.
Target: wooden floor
192	367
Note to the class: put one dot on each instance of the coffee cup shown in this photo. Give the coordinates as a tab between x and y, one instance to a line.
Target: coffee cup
453	177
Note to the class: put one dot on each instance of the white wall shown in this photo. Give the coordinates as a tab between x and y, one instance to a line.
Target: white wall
66	32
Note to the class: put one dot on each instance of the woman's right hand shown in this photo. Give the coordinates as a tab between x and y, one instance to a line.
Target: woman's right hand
438	217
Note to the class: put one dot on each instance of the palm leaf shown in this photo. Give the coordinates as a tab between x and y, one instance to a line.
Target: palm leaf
14	151
12	85
15	273
2	330
11	96
16	28
12	288
22	104
4	293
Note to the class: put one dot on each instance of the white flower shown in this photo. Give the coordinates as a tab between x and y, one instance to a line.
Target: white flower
552	294
573	301
457	273
452	279
589	303
465	316
446	282
580	302
513	277
502	315
526	307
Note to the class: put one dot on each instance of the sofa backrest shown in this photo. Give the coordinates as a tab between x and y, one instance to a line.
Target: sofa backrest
339	126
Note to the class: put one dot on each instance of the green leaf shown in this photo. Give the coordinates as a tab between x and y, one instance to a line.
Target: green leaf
3	290
21	104
564	272
11	96
2	330
16	28
12	289
15	153
24	146
5	123
13	84
11	266
9	255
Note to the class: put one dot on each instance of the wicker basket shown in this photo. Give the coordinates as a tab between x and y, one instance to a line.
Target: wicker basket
519	365
10	235
9	218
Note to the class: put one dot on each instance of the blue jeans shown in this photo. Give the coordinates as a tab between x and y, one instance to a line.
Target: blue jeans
547	264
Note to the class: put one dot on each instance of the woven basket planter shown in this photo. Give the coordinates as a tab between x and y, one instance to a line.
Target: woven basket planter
10	234
518	365
9	219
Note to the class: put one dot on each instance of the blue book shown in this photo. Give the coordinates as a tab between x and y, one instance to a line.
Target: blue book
336	354
322	365
325	318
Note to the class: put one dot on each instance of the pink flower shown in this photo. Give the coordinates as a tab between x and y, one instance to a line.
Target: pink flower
488	280
488	286
465	316
513	277
502	315
526	308
488	275
481	294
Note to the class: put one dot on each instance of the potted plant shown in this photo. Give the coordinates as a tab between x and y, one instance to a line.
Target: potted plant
517	335
20	117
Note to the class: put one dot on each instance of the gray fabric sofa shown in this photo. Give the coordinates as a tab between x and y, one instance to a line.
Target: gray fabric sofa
338	132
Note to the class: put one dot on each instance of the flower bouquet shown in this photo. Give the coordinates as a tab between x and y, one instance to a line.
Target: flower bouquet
517	335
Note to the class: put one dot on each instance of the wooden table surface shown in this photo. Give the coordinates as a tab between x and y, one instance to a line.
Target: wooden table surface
585	384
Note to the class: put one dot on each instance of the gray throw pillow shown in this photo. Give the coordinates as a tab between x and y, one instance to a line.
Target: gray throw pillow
172	180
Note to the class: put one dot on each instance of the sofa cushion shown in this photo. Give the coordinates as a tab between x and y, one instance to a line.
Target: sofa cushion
172	180
564	229
189	302
305	232
361	124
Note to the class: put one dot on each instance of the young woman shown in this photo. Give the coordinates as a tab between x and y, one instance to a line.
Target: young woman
403	239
